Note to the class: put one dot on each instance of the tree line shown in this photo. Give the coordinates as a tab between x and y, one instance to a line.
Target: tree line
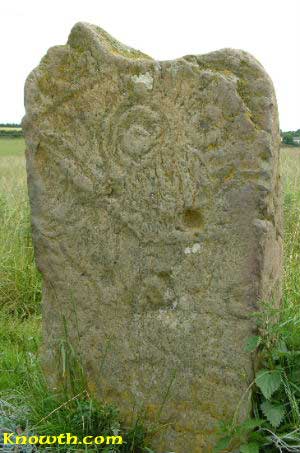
10	130
10	125
289	136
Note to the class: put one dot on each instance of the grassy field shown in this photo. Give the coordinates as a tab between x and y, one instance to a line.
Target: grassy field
19	280
291	195
12	147
5	128
23	393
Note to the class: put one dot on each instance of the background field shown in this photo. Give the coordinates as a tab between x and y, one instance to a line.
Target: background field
20	295
10	128
12	147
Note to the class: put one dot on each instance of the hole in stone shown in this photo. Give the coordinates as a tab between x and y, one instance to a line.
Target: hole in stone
193	219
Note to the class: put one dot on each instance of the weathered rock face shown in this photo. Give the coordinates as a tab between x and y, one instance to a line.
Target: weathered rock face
154	191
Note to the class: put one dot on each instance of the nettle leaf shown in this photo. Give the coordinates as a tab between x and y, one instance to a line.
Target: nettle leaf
252	447
222	444
252	343
268	382
273	413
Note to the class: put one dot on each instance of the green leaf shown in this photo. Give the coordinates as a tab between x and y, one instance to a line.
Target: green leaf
273	413
222	444
281	346
249	425
252	447
252	343
268	382
280	350
258	437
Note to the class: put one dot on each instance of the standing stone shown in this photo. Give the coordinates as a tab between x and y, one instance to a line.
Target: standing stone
154	190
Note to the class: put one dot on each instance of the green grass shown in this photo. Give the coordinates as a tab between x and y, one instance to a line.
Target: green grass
10	147
291	184
20	283
22	383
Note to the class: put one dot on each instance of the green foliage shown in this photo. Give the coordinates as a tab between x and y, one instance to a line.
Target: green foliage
275	390
242	436
288	137
252	447
252	343
10	131
273	413
268	381
10	125
223	444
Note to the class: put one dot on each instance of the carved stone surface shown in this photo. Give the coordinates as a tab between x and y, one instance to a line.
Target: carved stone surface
155	201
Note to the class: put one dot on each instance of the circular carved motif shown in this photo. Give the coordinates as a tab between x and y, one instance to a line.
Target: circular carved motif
138	130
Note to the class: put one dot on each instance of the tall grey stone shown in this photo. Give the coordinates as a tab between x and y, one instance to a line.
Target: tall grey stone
155	202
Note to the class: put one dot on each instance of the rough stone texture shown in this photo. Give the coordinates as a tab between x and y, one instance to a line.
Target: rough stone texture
154	191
